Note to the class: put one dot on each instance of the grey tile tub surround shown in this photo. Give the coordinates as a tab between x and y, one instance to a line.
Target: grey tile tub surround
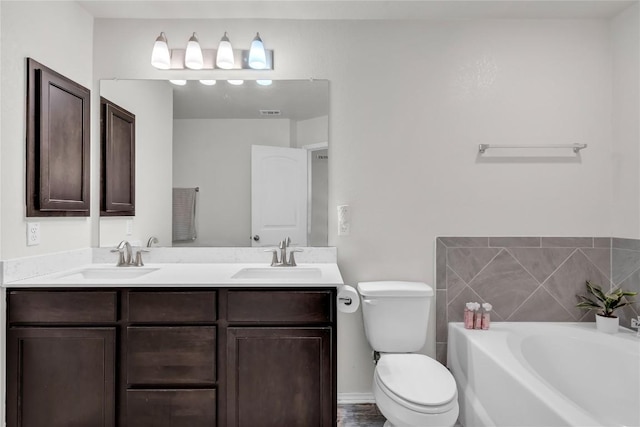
530	278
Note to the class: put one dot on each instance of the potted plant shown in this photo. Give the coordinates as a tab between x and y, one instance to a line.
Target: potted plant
606	304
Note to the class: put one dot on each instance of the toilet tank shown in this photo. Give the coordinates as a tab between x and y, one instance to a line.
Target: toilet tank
395	314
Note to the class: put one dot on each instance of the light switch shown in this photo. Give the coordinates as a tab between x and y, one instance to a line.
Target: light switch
344	220
129	227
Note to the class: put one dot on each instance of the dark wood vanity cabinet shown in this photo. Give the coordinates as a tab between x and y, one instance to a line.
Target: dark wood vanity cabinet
171	358
61	359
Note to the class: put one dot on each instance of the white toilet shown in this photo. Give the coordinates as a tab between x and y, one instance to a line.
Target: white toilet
411	390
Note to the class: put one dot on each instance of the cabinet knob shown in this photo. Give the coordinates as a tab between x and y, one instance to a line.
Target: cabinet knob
256	238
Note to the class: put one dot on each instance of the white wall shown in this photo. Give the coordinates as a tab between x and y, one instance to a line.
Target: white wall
404	137
626	124
312	131
31	29
152	104
60	36
215	155
319	235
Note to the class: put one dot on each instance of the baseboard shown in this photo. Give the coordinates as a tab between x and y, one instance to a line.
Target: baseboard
351	398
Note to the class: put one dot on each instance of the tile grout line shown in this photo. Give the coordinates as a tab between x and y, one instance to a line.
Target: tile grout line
551	275
486	265
609	277
620	282
525	268
525	300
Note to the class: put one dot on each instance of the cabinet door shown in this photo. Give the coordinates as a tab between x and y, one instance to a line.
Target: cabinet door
60	377
279	377
58	128
118	163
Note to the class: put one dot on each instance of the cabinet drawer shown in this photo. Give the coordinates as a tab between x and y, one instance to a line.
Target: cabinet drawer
274	306
62	307
171	307
171	355
171	408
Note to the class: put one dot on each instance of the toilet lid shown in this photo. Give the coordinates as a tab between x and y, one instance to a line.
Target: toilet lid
417	378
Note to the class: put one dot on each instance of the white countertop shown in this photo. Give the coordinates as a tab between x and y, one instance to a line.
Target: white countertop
189	275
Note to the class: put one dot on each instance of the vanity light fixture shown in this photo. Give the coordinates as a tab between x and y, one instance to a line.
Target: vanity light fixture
208	82
178	82
264	82
235	82
160	56
193	55
257	55
224	57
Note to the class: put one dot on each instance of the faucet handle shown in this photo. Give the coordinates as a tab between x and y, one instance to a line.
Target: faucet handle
292	259
274	258
138	262
121	260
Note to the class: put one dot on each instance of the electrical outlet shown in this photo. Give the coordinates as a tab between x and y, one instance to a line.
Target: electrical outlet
33	233
344	220
129	227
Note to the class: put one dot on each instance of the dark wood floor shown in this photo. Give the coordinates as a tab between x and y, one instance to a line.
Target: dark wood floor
362	415
359	415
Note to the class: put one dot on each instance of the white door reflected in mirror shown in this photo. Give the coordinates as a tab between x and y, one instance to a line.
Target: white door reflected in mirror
278	195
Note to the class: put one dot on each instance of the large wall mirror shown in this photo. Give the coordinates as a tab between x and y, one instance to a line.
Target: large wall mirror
253	157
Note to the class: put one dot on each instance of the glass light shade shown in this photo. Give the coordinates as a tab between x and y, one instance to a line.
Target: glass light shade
178	82
235	82
224	56
193	56
257	55
264	82
208	82
160	56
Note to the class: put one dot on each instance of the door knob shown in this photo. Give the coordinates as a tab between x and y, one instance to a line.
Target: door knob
256	238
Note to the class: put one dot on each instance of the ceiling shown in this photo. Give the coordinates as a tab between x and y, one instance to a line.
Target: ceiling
296	99
358	9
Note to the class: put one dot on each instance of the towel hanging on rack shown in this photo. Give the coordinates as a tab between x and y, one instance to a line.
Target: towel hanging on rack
184	214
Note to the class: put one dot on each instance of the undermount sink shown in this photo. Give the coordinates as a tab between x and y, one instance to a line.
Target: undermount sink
275	273
115	273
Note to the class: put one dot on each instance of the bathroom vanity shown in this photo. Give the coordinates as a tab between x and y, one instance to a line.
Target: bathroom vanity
196	355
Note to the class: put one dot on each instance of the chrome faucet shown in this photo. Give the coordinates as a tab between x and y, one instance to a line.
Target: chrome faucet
151	241
283	262
283	250
125	254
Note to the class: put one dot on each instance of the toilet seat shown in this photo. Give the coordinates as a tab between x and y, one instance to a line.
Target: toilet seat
417	382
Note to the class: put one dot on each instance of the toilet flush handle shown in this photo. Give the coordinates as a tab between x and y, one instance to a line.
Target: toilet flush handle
370	301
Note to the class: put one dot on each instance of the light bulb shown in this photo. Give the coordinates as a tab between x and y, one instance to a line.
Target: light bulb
193	56
264	82
178	82
160	56
257	55
235	82
208	82
224	56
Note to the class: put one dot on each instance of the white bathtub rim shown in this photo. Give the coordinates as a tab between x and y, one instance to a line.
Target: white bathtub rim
531	380
557	403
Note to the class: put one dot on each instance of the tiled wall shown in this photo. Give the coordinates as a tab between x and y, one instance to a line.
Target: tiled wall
625	273
529	278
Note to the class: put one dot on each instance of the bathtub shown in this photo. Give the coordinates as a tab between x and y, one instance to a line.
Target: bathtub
545	375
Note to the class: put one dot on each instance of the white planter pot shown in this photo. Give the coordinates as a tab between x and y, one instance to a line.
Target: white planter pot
608	325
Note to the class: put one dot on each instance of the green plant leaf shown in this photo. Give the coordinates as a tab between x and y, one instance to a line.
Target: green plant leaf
596	291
